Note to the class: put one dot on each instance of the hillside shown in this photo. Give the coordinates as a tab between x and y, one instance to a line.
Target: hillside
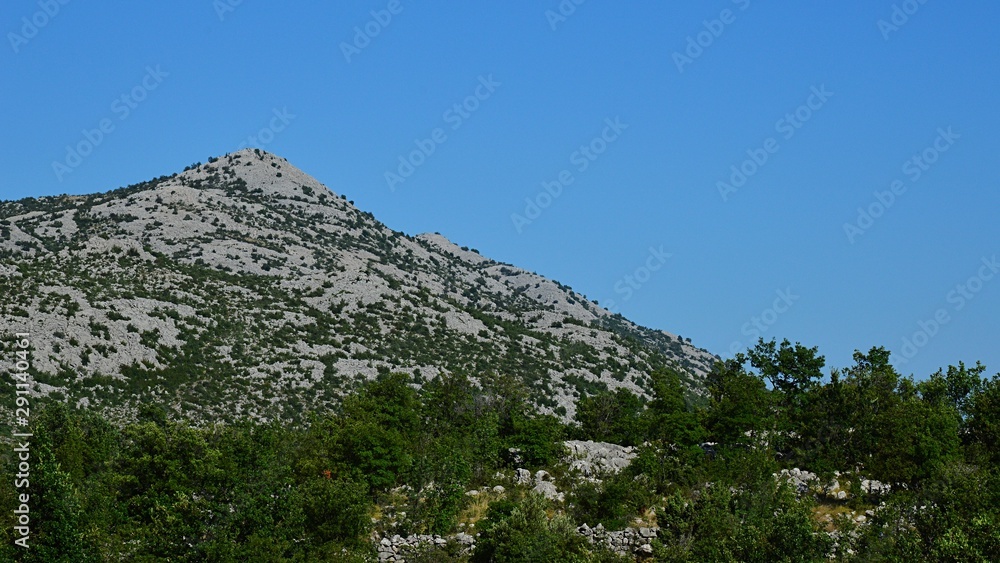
245	288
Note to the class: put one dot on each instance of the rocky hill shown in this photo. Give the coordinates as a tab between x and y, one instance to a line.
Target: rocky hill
245	288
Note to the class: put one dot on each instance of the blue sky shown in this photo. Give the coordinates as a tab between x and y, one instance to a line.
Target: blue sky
743	137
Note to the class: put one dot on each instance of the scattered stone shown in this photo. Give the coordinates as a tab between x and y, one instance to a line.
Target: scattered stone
874	487
464	539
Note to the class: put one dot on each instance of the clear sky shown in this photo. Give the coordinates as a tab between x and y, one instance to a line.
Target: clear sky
694	163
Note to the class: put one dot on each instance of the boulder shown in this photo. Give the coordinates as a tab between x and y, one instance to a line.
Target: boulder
593	458
548	490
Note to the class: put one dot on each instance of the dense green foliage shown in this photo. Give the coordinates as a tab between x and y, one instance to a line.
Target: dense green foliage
397	459
934	442
156	489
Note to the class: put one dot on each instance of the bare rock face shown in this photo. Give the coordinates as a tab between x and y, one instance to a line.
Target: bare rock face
594	458
244	287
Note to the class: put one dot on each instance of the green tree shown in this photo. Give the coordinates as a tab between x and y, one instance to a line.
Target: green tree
983	422
952	516
56	513
922	436
870	388
388	401
954	387
505	395
336	510
457	410
614	502
371	441
900	430
765	522
826	433
266	519
537	439
522	531
739	403
611	416
58	428
794	371
669	417
363	450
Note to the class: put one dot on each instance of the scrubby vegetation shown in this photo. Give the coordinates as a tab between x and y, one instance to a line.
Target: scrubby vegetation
154	285
394	459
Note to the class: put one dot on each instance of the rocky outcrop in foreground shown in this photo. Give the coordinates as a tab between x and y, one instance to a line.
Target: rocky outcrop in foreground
630	541
591	460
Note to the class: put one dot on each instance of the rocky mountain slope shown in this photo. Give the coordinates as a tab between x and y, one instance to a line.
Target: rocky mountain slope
244	287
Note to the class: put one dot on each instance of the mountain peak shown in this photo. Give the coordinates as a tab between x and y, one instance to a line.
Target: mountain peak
258	170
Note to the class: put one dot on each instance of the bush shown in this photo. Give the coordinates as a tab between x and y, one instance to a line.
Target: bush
521	531
538	438
336	510
611	417
720	523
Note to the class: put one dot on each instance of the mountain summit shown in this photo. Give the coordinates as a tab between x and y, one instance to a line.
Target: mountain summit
244	287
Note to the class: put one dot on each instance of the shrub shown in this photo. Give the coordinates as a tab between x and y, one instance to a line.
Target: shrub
521	531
